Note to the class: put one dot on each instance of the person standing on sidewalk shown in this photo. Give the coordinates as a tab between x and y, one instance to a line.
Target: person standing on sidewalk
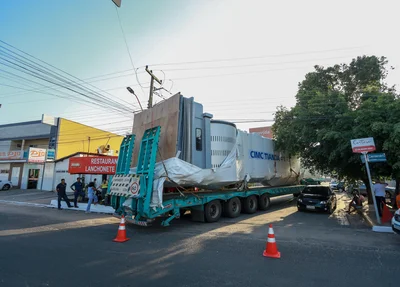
91	196
379	189
398	200
61	192
104	187
77	187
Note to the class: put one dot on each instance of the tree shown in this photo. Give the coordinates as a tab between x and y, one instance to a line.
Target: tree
337	104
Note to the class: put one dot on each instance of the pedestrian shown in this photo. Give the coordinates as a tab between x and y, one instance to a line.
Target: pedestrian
356	202
61	192
398	200
379	189
77	187
92	197
104	187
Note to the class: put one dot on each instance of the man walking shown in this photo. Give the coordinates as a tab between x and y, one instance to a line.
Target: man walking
77	187
61	191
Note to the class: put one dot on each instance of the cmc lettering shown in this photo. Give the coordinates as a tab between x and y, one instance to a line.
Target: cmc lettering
265	155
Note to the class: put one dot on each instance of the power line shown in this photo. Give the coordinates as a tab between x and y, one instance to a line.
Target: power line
40	68
46	76
257	57
129	53
254	65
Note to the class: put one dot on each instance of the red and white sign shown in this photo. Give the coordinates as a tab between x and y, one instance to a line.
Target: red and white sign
37	154
363	145
93	165
263	131
14	154
135	187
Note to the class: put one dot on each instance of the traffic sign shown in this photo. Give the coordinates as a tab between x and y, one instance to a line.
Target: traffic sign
374	157
363	145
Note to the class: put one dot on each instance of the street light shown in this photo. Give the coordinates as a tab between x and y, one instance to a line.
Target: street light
133	93
117	2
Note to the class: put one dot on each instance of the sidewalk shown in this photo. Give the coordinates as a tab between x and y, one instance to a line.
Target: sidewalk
48	199
28	195
368	213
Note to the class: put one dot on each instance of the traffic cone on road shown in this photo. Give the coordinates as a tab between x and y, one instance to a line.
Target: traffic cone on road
271	250
121	235
386	214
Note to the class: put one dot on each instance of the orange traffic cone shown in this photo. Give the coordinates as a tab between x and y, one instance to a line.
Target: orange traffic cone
271	250
386	214
121	235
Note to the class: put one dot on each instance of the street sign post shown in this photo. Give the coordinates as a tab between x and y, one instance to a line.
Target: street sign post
374	157
364	146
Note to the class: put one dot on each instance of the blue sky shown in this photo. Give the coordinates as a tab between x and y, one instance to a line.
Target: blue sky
84	38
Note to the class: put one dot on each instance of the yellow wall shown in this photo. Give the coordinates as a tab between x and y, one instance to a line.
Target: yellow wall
74	137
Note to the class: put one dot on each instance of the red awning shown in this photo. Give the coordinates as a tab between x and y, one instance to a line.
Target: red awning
93	165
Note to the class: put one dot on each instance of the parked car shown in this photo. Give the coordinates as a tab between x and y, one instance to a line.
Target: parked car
396	222
333	185
310	181
337	185
318	198
5	184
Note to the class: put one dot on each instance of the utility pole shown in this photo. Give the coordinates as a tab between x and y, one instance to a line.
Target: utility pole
153	77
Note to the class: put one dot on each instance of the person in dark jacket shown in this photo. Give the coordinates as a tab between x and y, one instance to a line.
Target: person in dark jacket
77	187
61	192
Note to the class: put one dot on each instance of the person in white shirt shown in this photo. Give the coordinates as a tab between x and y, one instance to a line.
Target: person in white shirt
379	189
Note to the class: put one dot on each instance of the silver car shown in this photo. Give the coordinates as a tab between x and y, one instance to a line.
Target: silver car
5	184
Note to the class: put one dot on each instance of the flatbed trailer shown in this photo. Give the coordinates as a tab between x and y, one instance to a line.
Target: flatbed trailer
131	194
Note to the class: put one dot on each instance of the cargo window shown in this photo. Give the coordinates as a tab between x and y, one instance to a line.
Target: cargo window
199	139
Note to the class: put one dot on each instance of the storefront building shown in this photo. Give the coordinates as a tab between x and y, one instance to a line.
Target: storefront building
29	150
88	166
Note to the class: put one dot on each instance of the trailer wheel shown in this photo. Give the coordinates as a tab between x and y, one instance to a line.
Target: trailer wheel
250	204
264	202
232	207
213	211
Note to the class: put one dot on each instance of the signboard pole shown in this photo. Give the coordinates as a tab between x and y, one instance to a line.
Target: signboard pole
372	191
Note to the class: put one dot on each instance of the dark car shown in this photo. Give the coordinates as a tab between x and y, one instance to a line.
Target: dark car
318	198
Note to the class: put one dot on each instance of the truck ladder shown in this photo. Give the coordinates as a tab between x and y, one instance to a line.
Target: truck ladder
123	167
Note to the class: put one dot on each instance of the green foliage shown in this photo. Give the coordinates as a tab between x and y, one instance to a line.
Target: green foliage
337	104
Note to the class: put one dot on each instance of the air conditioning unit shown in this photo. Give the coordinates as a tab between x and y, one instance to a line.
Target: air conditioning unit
103	149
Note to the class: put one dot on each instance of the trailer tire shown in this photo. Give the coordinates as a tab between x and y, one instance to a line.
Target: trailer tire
232	207
213	211
264	202
250	204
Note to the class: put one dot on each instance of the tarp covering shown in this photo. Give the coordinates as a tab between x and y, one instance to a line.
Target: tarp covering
252	159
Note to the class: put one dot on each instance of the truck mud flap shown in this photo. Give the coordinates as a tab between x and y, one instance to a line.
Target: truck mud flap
197	213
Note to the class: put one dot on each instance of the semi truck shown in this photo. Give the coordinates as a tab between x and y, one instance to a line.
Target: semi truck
183	160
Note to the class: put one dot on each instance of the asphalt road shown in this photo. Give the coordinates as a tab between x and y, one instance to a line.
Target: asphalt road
47	247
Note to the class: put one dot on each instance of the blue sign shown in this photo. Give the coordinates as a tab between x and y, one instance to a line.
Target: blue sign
51	154
374	157
264	155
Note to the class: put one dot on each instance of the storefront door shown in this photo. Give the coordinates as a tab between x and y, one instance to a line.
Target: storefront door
33	178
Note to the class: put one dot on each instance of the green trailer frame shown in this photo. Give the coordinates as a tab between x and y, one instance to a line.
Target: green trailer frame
201	204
